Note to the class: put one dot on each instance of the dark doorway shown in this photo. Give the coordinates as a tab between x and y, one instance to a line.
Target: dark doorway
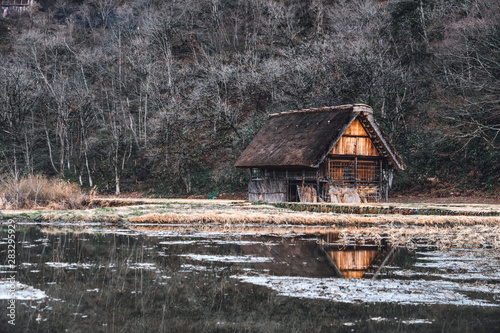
293	194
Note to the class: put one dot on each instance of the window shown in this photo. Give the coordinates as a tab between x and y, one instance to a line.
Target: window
255	173
342	170
348	172
368	172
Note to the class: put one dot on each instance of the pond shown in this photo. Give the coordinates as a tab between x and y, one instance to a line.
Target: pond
176	279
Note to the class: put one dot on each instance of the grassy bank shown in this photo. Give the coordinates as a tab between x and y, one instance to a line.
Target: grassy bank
226	212
402	209
461	228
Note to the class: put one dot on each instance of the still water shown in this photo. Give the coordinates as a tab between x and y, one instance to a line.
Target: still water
177	279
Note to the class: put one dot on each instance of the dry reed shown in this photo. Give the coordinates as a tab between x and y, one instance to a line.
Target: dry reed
311	219
35	191
465	237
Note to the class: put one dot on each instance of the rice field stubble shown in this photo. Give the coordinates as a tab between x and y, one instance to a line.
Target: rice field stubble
467	226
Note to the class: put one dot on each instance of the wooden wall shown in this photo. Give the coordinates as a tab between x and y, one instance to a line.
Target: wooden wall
268	190
355	141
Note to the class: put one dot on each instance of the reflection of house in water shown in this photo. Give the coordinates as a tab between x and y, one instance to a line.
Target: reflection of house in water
352	260
332	257
291	257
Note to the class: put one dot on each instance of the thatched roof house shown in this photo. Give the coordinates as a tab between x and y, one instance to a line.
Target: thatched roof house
320	149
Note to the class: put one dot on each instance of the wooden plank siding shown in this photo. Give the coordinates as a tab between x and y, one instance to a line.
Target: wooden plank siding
355	141
356	129
355	162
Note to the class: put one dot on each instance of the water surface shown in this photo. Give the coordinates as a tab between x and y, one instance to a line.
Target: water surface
177	279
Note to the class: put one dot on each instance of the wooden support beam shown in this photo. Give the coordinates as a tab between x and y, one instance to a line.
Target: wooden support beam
356	172
317	185
331	263
381	182
386	260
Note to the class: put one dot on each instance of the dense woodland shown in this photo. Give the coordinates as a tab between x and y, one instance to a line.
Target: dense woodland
162	96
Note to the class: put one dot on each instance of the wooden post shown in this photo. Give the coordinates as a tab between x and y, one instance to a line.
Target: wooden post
317	185
330	262
328	166
389	256
380	181
356	172
288	190
382	184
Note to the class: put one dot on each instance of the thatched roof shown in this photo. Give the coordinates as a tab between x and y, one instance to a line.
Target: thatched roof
304	138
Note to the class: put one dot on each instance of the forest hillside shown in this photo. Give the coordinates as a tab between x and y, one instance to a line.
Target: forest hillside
162	96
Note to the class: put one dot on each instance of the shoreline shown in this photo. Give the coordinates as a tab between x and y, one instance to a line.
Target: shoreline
126	211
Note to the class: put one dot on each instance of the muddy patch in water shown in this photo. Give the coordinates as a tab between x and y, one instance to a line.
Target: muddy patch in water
180	279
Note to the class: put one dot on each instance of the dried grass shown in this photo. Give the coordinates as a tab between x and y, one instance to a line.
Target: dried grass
35	191
464	237
471	237
209	217
440	231
406	230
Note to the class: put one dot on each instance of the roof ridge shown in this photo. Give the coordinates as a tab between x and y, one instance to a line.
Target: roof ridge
358	106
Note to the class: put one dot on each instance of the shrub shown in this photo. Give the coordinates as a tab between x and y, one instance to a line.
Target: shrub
39	191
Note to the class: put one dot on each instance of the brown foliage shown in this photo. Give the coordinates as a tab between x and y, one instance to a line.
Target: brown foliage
39	191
